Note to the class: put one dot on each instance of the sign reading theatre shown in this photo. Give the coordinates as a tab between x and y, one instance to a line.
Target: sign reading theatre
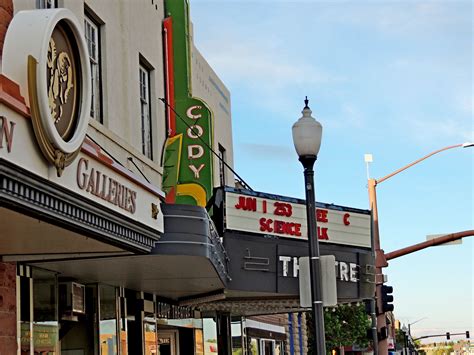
271	216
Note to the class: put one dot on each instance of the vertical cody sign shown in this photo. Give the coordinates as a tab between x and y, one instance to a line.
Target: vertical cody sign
187	176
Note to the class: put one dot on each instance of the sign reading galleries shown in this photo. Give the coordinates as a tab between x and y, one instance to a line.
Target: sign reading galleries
277	216
44	115
187	175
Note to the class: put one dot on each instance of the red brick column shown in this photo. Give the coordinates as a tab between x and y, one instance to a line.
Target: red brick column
6	15
7	308
8	343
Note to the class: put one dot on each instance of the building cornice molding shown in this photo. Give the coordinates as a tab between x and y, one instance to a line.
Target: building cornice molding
27	193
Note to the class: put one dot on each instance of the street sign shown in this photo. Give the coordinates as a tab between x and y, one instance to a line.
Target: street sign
328	281
434	236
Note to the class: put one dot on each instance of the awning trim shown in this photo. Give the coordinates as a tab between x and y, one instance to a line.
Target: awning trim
27	193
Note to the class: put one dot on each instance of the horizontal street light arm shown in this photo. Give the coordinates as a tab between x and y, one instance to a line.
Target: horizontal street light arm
421	159
429	243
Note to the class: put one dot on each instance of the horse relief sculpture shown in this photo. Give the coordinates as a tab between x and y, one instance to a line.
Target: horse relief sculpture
60	79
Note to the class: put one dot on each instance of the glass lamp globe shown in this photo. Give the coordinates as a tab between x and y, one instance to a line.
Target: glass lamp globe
307	133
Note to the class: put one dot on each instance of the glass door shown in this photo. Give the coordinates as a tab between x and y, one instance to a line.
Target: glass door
267	347
167	342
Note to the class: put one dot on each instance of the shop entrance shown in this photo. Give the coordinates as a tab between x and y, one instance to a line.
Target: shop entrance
168	342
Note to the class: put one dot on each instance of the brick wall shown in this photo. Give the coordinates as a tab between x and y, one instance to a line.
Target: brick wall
7	270
6	15
7	308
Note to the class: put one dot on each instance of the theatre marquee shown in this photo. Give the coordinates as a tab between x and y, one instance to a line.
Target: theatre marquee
284	217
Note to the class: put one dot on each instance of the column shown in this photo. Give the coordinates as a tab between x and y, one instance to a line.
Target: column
8	321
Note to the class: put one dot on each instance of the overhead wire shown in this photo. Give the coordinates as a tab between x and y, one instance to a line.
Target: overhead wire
244	183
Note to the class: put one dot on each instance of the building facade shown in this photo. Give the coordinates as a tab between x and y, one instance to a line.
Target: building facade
121	230
87	264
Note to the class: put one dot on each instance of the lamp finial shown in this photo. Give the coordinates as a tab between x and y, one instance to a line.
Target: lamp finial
306	101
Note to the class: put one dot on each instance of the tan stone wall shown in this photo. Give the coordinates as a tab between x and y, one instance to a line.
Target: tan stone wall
8	344
295	335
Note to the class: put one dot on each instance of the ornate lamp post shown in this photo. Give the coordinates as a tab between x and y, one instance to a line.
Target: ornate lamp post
307	134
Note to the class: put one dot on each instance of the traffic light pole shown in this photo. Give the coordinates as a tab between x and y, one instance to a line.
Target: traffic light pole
380	262
429	243
447	335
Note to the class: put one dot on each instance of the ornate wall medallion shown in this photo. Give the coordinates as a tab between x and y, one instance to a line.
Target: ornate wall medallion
62	82
50	47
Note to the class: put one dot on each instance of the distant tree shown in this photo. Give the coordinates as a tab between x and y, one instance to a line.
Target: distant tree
399	339
345	325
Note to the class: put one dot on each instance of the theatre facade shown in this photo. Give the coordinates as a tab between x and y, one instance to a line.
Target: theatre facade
121	229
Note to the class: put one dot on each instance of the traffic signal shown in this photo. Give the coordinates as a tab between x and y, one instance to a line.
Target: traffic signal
467	334
387	297
448	336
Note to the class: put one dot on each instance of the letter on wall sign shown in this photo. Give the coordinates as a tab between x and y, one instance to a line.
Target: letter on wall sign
6	133
196	170
195	151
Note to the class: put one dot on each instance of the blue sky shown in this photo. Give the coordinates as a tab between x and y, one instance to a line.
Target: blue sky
394	79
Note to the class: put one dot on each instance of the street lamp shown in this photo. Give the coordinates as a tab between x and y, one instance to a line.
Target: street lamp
380	258
410	324
307	134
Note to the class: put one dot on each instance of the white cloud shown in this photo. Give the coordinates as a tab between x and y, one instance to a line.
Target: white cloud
266	71
465	104
263	62
269	151
402	17
426	130
274	72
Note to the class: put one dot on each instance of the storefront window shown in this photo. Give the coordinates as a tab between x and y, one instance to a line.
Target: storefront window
210	336
123	326
25	315
149	326
133	322
108	320
150	337
79	333
198	342
253	346
45	312
279	348
236	332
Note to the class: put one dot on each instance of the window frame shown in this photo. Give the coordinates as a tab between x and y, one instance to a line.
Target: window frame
95	61
146	121
46	4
